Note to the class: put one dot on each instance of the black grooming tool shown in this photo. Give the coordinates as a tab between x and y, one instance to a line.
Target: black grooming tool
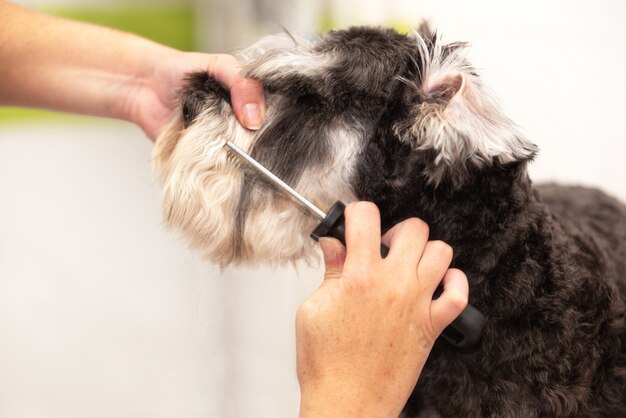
463	333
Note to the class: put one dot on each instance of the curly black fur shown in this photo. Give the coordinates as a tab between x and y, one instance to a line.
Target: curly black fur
546	265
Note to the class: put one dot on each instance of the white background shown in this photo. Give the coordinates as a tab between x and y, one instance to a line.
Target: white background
103	313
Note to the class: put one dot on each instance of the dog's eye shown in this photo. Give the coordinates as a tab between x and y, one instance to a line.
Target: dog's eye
187	113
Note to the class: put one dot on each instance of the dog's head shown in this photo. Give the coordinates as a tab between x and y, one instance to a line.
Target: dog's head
363	113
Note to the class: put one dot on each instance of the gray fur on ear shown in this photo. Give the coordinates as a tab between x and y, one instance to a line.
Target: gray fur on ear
456	118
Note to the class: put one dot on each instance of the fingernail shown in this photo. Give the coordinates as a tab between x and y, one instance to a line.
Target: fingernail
252	116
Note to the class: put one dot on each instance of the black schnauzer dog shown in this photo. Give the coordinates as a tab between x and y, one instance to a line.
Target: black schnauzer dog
405	121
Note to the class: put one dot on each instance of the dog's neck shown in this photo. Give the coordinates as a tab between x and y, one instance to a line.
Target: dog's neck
490	221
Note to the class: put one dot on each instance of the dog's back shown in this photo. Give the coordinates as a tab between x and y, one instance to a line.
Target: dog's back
599	217
592	216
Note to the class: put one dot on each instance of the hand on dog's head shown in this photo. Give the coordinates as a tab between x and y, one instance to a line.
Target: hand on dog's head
363	113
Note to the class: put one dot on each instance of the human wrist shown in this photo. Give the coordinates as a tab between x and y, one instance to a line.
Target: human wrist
333	401
143	79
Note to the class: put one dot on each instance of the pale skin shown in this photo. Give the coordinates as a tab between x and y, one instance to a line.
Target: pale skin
364	335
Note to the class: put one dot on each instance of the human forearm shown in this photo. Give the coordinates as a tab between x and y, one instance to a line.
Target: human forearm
64	65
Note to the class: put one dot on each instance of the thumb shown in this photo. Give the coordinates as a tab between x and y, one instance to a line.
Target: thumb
246	94
248	102
334	257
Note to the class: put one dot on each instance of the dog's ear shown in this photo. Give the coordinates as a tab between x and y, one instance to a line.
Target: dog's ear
446	88
455	122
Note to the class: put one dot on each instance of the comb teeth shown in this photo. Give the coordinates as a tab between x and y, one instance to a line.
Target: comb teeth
273	179
232	157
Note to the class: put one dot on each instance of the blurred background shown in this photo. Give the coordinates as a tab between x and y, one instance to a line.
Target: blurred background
103	313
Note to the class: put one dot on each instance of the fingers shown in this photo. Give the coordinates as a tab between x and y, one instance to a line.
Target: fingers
362	231
452	301
225	69
334	257
248	102
247	97
434	263
407	240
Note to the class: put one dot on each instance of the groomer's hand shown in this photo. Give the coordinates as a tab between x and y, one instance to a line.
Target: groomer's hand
151	103
59	64
364	335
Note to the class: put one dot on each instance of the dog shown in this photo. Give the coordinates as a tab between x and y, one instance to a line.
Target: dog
405	121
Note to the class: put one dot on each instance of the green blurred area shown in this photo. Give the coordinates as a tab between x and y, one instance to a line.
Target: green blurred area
172	25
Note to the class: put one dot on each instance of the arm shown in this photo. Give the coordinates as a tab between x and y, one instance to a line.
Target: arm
363	337
63	65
